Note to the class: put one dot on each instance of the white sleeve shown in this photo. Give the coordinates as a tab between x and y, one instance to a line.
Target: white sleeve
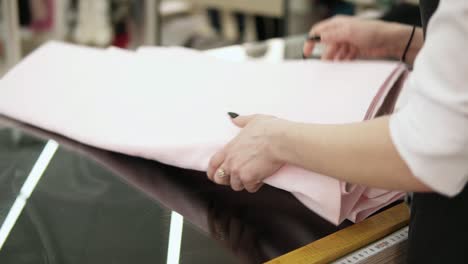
431	131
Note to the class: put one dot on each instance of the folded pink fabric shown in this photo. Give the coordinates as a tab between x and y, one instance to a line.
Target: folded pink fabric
170	104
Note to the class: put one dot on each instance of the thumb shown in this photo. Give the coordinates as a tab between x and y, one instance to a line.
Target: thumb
240	121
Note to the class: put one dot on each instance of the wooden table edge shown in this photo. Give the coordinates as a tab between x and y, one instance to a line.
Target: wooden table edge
349	239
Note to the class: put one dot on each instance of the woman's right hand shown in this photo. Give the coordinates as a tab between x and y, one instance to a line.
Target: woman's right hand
348	38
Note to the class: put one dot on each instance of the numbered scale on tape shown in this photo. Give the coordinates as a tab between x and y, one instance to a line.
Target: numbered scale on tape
381	247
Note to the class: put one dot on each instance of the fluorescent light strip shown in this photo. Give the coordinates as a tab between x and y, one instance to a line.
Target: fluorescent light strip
175	238
27	189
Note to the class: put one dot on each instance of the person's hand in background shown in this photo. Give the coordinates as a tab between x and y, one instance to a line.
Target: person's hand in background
348	38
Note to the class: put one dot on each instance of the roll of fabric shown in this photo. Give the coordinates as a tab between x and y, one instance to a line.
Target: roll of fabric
170	105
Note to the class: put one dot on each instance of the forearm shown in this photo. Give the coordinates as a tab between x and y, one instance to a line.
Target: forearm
398	35
360	153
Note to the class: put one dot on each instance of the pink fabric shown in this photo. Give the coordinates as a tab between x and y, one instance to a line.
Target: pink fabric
170	104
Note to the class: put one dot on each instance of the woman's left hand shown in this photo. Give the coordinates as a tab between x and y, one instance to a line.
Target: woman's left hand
249	158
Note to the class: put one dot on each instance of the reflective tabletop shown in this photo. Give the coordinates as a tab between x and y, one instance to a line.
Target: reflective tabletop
95	206
65	202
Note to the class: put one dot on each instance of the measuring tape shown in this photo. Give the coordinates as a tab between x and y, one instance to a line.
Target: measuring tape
376	247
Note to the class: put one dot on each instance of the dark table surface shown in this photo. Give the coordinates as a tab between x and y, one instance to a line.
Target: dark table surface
94	206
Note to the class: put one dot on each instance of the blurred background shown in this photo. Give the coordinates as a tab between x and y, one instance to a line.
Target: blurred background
198	24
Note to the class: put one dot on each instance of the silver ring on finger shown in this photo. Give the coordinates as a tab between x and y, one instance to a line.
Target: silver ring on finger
221	173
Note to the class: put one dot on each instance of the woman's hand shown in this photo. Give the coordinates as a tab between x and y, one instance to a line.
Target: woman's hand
248	159
348	38
362	150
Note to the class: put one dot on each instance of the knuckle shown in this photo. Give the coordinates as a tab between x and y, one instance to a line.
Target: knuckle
247	177
235	171
237	187
341	17
216	159
337	19
243	174
229	161
212	163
